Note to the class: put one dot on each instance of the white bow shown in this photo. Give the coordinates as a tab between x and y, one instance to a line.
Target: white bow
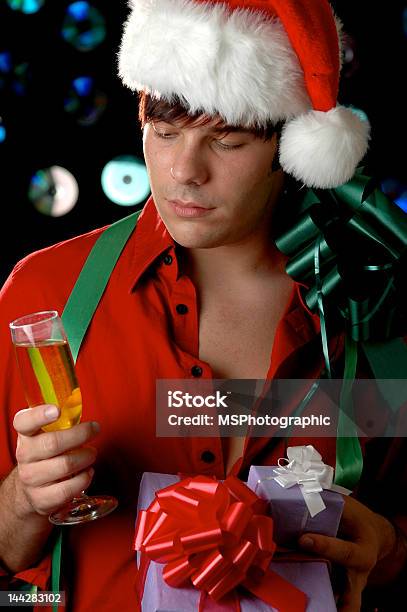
306	468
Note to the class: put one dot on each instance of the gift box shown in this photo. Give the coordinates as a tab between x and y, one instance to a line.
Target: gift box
288	508
310	576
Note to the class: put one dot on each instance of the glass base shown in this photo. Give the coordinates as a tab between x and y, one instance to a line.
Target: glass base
84	509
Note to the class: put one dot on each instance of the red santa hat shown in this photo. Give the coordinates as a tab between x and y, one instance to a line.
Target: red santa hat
252	62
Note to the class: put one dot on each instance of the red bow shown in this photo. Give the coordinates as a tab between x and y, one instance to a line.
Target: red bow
218	536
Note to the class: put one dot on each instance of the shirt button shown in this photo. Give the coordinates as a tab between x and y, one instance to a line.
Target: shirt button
208	456
167	260
181	308
196	371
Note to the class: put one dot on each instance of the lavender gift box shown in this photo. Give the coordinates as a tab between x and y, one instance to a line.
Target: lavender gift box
311	577
289	511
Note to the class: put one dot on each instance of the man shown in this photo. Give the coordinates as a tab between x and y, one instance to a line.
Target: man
177	303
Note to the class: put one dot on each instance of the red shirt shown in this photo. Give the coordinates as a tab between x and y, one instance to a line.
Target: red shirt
136	336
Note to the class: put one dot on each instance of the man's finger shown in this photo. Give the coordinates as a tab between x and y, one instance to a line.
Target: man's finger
351	599
354	518
50	498
58	468
336	550
30	420
53	443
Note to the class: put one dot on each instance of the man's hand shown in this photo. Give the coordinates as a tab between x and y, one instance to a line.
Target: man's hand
368	538
47	461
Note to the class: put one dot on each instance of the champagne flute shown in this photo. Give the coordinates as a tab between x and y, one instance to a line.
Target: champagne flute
48	376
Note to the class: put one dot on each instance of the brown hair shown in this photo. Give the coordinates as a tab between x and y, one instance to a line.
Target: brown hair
153	109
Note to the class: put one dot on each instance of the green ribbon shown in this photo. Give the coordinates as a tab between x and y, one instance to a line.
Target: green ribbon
349	457
93	279
56	566
363	244
318	285
347	247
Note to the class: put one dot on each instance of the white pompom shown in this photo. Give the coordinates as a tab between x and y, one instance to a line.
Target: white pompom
323	149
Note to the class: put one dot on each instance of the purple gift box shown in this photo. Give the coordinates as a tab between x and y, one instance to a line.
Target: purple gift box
312	577
289	511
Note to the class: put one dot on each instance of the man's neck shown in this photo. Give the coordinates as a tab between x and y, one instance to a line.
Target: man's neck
245	261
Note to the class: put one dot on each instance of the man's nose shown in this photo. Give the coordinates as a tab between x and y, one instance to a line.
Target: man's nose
189	166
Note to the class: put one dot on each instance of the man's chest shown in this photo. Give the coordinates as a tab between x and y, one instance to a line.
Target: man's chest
236	337
235	348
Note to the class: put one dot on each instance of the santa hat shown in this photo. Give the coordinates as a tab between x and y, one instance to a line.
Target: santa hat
252	62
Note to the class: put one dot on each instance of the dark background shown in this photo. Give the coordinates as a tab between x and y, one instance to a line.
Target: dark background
40	133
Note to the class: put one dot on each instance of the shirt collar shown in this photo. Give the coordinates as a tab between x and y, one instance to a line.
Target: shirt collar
148	242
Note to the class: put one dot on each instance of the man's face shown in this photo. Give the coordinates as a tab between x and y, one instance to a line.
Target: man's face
229	175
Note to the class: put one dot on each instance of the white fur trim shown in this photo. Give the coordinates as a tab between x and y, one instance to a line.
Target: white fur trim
323	149
237	64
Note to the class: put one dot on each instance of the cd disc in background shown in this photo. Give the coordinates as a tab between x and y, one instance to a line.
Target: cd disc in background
84	26
53	191
15	73
125	180
84	101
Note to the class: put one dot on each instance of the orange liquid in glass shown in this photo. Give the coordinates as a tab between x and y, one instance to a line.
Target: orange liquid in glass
49	377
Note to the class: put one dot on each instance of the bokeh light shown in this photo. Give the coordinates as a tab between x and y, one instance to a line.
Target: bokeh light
6	63
26	6
84	102
84	27
359	112
402	201
125	180
53	191
350	61
405	21
14	76
3	131
396	190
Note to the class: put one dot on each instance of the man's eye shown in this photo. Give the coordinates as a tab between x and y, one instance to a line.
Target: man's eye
164	135
219	143
226	146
